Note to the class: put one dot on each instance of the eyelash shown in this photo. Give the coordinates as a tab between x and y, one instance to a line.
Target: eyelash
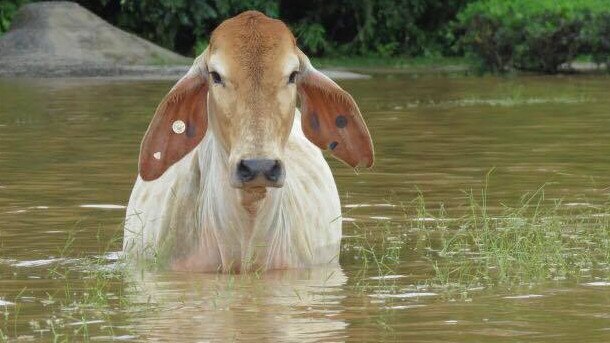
216	77
293	76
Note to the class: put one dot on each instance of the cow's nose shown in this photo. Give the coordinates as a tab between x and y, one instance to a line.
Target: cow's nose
260	172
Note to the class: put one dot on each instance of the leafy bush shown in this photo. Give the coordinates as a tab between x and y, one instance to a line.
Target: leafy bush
184	25
534	35
372	27
7	10
362	27
596	37
312	37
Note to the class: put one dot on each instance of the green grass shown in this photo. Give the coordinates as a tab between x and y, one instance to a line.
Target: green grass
378	255
537	241
91	291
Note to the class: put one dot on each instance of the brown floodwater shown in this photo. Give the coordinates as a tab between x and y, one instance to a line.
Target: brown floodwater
68	159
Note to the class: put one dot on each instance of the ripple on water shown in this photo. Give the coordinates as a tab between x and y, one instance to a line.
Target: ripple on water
368	205
37	263
597	284
27	209
404	307
524	296
387	277
6	303
114	338
104	206
380	217
406	295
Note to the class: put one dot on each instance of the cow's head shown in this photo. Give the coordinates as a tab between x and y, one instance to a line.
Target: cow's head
244	88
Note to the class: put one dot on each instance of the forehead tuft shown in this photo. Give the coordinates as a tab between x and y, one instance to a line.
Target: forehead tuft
253	34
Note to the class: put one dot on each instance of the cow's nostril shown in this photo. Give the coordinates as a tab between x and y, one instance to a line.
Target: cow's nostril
275	172
244	171
260	172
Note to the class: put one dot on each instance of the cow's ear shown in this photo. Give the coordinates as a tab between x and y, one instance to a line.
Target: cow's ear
179	124
331	119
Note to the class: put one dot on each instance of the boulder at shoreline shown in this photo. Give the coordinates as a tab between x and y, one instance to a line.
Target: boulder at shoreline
49	39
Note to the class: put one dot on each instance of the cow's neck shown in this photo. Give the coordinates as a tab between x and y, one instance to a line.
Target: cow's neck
239	221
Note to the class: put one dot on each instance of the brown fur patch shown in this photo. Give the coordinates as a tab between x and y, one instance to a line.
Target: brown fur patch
332	120
161	146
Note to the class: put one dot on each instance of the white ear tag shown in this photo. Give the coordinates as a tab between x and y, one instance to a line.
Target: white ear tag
157	155
178	127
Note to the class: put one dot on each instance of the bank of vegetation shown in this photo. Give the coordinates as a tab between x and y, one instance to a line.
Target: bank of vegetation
500	35
537	35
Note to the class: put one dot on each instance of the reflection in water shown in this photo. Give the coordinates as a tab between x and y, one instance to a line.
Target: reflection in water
282	306
68	159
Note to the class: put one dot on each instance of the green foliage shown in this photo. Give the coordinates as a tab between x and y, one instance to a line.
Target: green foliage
184	25
363	27
596	38
312	37
373	27
8	8
534	35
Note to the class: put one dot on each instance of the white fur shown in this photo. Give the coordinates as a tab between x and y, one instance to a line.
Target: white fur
195	220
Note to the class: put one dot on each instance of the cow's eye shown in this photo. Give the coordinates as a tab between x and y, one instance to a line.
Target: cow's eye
293	76
216	77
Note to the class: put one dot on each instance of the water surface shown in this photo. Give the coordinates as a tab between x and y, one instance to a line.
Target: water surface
68	158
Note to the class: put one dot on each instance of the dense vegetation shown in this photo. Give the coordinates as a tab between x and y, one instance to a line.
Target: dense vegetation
364	27
534	35
502	34
7	10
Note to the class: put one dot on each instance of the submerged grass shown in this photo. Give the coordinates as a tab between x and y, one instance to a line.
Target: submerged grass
90	296
377	257
536	241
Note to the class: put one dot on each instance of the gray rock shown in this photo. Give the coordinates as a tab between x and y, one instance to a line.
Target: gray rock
65	39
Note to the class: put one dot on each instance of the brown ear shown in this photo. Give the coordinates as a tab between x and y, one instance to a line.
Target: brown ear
331	119
178	126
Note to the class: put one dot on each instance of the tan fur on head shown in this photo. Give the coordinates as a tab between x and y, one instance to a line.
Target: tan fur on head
253	40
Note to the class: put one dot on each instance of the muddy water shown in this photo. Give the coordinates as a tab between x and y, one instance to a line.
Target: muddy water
68	152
